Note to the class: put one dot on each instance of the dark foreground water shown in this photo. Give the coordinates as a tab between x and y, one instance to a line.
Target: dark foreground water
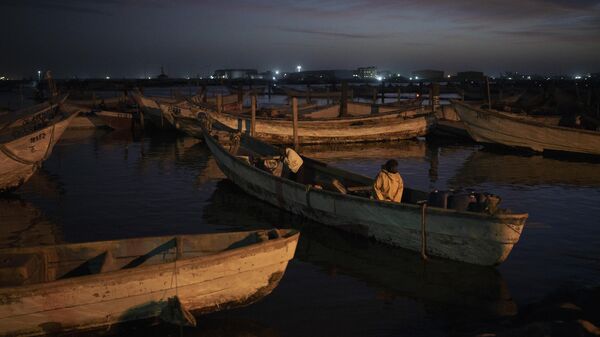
101	185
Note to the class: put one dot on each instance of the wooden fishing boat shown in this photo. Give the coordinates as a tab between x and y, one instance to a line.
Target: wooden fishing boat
151	108
466	290
27	138
314	129
74	287
477	238
495	127
117	120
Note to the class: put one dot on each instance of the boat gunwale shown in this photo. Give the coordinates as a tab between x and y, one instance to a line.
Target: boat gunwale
280	242
378	203
386	116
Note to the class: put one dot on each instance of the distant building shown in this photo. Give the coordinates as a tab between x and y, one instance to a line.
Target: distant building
366	72
428	75
470	76
320	75
232	74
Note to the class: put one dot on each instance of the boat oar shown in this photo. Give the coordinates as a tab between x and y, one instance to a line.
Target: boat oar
423	204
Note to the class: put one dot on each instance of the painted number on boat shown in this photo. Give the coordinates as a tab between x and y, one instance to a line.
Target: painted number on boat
37	138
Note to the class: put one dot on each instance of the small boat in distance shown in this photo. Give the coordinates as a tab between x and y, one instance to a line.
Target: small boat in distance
496	127
27	138
83	286
473	237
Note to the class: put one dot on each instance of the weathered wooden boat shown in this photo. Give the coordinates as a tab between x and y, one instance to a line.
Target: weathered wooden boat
27	138
477	238
87	120
117	120
315	129
495	127
74	287
464	289
151	108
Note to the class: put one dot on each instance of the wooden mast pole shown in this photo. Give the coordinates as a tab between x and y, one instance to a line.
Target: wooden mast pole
295	121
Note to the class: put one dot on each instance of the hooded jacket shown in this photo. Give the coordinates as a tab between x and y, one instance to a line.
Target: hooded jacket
292	160
388	186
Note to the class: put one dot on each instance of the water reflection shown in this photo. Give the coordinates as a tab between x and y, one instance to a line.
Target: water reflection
23	224
412	149
485	166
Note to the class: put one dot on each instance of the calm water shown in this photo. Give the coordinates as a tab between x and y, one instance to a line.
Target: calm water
101	185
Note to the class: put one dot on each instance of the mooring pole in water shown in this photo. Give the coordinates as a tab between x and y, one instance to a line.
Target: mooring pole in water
308	100
423	204
220	103
399	95
253	120
374	95
489	97
295	121
344	99
382	92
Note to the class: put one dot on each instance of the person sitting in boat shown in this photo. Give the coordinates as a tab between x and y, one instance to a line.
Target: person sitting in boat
388	185
293	165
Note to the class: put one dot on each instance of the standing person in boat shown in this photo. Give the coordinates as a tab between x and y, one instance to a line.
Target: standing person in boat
388	185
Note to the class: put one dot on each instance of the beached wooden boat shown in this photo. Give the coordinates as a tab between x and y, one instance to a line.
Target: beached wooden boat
495	127
314	129
27	138
478	238
74	287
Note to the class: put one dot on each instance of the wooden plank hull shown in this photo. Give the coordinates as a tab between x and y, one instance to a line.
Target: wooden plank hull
386	127
153	112
495	127
117	120
204	283
20	158
463	236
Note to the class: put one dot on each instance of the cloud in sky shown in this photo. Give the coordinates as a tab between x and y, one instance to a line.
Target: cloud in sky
512	32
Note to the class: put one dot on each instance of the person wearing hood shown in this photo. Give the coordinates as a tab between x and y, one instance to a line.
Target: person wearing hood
293	165
388	185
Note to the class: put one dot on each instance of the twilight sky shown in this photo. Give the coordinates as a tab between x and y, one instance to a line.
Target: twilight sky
133	38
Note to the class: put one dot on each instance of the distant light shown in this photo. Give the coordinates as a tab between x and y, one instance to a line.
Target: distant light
411	78
274	79
2	78
148	77
577	77
39	72
107	77
448	76
212	77
416	77
379	78
276	72
528	77
510	78
398	75
298	68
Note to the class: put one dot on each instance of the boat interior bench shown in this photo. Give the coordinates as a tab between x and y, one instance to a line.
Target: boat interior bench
68	261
